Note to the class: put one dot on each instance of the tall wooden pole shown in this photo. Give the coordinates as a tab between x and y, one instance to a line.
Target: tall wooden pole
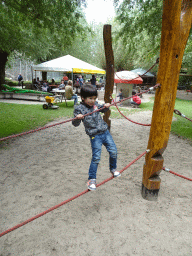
109	69
176	25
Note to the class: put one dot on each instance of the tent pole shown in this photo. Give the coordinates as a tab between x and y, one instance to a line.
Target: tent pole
32	73
72	75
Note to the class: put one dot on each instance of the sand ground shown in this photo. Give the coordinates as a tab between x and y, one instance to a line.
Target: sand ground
43	169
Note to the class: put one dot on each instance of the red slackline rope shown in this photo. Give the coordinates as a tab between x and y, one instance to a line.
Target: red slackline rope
68	120
179	175
128	118
70	199
180	114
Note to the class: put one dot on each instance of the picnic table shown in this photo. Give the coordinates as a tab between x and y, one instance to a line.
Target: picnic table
60	92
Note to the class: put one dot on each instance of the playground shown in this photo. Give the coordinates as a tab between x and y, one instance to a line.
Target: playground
42	169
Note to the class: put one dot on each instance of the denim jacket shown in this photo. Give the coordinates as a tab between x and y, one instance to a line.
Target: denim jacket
94	123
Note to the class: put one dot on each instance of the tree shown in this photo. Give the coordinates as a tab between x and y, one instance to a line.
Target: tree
89	48
140	31
40	29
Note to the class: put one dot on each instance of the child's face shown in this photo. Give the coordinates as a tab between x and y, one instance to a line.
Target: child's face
90	101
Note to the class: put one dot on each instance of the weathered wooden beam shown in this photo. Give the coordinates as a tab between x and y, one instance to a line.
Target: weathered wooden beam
109	69
176	25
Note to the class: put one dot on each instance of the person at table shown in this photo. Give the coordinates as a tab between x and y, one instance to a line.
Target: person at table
38	81
69	92
46	87
62	85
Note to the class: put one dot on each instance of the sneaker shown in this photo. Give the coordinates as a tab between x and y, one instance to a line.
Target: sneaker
91	184
115	173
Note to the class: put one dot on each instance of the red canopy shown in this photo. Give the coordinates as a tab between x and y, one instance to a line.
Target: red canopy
127	77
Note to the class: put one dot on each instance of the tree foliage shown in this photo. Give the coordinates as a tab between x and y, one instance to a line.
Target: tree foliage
140	31
39	28
27	25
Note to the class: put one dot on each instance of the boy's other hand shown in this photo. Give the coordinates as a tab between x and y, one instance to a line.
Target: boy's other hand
107	105
80	116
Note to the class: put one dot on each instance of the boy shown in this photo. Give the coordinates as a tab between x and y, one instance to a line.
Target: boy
97	129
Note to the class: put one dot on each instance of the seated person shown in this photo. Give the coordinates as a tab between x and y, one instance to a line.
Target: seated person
136	100
38	81
46	87
69	92
62	85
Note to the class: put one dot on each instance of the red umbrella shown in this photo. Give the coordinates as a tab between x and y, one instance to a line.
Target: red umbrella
127	77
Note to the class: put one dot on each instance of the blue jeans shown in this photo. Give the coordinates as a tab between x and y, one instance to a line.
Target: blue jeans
96	144
75	98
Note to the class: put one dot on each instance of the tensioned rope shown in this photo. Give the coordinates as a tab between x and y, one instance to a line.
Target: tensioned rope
127	117
179	175
70	199
68	120
180	114
157	61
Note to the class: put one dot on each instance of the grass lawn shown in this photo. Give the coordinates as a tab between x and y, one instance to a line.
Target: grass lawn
183	127
17	118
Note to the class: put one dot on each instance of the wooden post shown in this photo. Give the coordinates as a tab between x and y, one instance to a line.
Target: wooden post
176	24
109	70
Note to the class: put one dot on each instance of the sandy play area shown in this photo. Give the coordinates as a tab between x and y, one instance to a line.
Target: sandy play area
45	168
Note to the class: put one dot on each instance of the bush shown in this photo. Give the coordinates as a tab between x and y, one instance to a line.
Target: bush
185	82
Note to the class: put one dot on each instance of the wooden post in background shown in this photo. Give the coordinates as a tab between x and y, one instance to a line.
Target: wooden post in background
176	25
109	70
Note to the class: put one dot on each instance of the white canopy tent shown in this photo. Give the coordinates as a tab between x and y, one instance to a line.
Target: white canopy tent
68	64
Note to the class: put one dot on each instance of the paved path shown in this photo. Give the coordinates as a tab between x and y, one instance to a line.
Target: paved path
146	97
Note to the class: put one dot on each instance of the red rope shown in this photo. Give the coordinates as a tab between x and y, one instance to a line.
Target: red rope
179	175
63	122
68	200
180	114
128	118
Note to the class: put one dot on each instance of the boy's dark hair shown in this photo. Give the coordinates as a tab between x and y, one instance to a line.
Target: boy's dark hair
88	91
133	92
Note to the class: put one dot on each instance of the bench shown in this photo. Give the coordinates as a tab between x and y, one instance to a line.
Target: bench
22	96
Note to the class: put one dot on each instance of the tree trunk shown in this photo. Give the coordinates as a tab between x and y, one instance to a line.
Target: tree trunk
3	60
109	70
176	25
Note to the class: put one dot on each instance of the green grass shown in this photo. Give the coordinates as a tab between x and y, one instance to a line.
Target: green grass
183	127
17	118
128	111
